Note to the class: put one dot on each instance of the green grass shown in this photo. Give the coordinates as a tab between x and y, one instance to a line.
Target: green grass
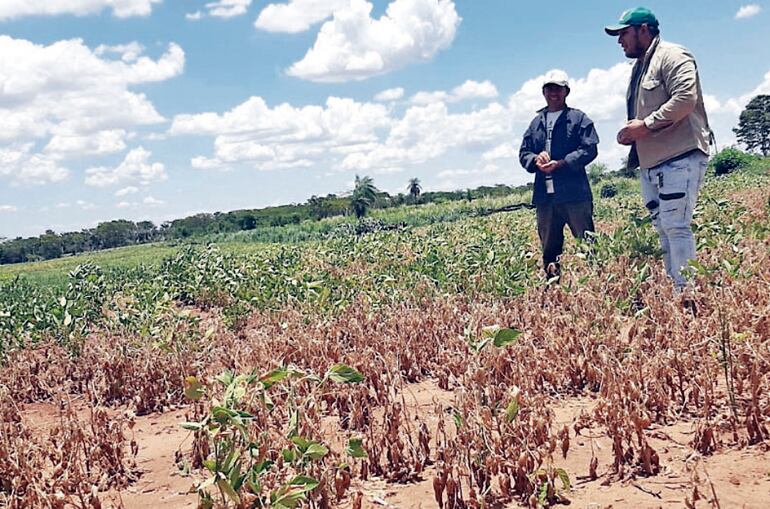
53	273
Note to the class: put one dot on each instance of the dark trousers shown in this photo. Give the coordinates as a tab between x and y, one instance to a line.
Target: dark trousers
551	218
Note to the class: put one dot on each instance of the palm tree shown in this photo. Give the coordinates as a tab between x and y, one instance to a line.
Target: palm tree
414	188
364	194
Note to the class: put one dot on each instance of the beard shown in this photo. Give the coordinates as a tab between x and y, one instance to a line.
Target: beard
634	53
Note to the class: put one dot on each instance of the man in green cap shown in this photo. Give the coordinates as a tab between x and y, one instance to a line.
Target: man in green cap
667	131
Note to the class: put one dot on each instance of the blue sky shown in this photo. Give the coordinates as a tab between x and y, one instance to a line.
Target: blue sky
157	109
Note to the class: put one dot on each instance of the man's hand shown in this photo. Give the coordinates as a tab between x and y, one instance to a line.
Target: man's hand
634	130
551	166
542	158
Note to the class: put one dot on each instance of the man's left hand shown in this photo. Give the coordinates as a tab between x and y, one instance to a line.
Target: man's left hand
633	131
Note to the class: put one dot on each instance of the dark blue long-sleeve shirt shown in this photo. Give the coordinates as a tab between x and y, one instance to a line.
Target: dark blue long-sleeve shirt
574	140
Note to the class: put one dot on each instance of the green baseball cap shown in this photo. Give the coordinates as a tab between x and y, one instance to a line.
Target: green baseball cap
633	18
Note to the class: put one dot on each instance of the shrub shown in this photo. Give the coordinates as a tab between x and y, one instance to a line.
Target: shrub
729	160
608	191
596	171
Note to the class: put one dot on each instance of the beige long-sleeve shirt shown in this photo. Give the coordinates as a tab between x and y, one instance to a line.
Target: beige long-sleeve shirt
669	100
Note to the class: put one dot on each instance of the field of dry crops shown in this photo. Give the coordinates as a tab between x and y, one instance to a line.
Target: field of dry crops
426	367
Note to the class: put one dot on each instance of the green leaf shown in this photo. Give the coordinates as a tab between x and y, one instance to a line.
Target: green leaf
564	478
305	483
192	426
543	495
253	482
211	466
275	376
263	466
235	477
505	337
286	497
355	448
223	415
316	451
512	410
193	389
458	418
342	373
226	378
288	455
300	442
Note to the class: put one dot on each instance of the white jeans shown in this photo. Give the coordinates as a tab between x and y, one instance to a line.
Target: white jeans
670	192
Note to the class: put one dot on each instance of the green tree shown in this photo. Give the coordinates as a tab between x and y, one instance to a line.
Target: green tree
754	125
414	188
247	222
596	171
364	194
114	234
48	245
145	231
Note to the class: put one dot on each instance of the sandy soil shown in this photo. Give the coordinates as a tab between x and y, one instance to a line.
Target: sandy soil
740	478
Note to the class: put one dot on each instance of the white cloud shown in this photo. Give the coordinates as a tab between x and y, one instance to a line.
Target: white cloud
354	46
228	8
602	93
475	90
192	16
428	132
19	163
502	151
152	201
64	145
85	205
297	15
134	168
345	135
425	98
65	97
724	115
126	191
10	9
486	175
459	172
391	94
8	208
468	90
283	136
128	52
748	11
148	201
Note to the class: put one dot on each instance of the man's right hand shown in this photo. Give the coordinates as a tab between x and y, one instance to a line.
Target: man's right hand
542	159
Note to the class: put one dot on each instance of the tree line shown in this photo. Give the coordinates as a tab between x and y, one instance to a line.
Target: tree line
121	232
